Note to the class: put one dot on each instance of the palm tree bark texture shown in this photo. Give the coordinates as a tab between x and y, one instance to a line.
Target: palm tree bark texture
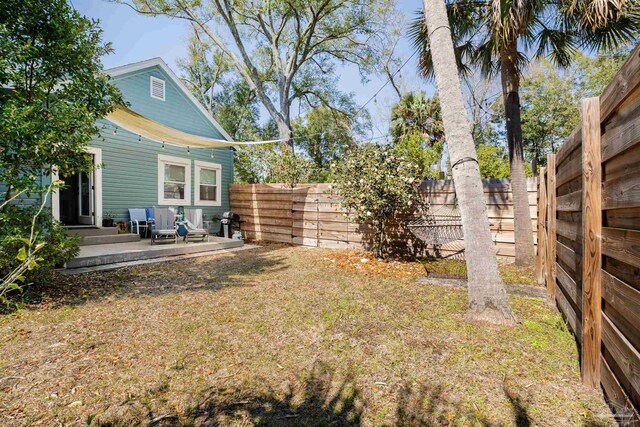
510	77
487	296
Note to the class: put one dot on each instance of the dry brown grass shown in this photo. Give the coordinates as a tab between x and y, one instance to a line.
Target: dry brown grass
279	336
367	263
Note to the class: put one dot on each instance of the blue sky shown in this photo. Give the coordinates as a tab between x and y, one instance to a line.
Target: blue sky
136	37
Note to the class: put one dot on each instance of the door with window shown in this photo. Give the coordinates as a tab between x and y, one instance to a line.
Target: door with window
86	199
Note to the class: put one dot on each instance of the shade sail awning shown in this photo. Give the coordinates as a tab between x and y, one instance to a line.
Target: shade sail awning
140	125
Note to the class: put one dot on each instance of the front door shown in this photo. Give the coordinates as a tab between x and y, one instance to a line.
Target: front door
77	199
86	199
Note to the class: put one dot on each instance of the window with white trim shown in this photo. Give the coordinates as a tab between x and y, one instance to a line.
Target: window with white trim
208	182
156	87
174	180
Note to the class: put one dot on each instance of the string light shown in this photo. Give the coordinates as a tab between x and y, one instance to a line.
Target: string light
115	131
188	150
139	138
163	145
212	153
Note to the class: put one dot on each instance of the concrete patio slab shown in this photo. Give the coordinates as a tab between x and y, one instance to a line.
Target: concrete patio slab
114	266
95	255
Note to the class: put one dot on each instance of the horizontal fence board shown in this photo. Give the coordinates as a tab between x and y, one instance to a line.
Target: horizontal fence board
261	205
623	192
488	185
571	288
570	169
626	357
615	394
619	166
259	197
622	297
263	220
570	258
573	318
622	218
269	237
621	244
570	230
571	202
572	143
620	138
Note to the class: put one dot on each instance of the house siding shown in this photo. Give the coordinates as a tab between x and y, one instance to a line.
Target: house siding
130	168
176	111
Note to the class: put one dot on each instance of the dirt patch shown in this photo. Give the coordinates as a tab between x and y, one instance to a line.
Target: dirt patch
281	336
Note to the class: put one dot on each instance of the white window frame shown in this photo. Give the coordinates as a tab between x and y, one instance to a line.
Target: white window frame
211	166
178	161
164	88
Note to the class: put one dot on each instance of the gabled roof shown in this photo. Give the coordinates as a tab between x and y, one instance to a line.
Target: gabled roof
153	62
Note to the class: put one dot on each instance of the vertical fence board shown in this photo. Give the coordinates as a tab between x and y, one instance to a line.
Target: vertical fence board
551	227
592	253
542	219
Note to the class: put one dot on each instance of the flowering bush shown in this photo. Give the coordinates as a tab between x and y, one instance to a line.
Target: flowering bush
374	182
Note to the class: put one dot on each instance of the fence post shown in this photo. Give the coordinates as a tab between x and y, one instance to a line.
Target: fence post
591	249
551	227
542	223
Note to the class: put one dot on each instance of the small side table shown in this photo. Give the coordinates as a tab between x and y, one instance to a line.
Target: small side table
207	225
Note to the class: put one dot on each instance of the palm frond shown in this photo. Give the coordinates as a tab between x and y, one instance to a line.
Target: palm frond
558	45
487	57
465	28
595	14
604	25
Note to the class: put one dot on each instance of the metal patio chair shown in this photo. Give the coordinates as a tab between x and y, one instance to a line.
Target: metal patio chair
138	220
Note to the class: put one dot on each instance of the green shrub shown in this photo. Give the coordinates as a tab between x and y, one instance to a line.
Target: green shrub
15	230
374	182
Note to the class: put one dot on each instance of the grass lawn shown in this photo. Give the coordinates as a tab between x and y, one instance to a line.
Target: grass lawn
282	336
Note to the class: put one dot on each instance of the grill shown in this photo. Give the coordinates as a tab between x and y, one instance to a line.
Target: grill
229	221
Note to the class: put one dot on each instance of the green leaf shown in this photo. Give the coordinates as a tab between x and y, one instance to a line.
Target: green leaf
22	254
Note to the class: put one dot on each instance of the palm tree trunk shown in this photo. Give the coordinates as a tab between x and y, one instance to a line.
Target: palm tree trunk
522	216
487	296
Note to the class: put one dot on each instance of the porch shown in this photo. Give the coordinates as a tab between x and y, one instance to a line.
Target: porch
116	253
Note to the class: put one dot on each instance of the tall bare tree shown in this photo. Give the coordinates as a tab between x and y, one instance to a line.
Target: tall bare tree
287	50
487	296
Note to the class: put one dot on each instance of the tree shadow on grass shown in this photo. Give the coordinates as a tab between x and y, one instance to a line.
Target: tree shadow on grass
207	273
429	406
324	399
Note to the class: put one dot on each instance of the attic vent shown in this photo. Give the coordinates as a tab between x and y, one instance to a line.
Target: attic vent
157	88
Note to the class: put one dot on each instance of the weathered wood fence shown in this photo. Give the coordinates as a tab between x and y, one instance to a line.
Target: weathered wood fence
589	235
310	215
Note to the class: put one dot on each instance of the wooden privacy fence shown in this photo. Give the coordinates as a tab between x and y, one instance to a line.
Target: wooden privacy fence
589	235
310	215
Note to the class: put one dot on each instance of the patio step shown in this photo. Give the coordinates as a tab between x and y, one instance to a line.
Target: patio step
109	238
92	231
93	255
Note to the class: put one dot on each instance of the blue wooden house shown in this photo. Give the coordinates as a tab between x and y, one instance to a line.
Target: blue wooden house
135	171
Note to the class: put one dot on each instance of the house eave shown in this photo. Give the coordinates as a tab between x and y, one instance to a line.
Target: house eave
159	62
